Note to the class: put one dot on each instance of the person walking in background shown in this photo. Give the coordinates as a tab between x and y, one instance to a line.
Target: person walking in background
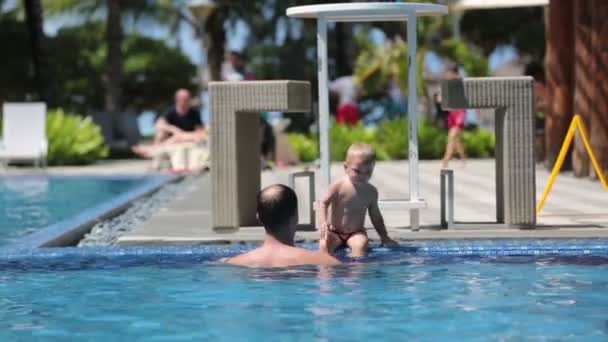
348	110
456	118
235	68
441	116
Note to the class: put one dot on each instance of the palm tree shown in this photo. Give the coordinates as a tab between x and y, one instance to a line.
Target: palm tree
116	11
599	116
560	77
114	38
40	56
591	94
576	78
583	80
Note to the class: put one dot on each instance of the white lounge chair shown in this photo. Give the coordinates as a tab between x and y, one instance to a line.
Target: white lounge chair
24	133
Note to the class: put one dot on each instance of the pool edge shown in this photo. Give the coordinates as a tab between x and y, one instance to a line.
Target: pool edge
69	231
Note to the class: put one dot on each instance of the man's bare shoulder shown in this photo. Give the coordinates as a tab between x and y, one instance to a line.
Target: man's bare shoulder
244	259
326	259
291	257
317	258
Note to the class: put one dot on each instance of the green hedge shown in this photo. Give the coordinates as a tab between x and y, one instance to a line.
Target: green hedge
390	141
72	139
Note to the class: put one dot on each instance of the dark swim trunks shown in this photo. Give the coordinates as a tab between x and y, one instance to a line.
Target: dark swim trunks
344	236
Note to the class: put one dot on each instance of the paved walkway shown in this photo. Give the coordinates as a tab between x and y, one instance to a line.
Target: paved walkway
576	208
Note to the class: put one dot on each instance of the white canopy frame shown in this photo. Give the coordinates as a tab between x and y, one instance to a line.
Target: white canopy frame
364	12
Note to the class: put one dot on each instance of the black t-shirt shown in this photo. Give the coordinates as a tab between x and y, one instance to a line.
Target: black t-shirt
188	122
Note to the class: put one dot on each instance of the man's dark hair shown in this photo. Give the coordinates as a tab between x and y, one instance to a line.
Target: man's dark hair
277	204
241	55
536	70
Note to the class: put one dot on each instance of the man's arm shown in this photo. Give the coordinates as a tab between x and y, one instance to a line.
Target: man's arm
200	133
326	259
376	217
162	125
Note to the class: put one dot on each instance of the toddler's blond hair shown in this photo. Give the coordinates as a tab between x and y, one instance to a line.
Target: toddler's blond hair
363	151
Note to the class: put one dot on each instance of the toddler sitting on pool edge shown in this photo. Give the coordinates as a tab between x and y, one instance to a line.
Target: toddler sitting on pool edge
347	200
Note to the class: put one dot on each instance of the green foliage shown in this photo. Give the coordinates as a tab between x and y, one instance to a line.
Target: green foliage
376	66
152	70
431	141
524	28
73	139
479	143
474	62
307	147
342	136
392	136
391	141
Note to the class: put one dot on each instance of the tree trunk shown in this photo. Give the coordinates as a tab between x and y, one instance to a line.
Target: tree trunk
584	71
40	54
215	39
598	120
114	38
560	76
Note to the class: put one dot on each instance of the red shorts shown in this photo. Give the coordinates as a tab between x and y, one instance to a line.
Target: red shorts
456	118
348	114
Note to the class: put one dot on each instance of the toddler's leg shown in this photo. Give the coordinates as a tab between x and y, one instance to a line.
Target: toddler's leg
333	242
358	245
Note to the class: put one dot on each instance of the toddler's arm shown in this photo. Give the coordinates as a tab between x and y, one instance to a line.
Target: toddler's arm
324	206
376	217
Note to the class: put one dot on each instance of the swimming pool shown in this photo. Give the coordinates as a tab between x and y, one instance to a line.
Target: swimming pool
31	203
428	291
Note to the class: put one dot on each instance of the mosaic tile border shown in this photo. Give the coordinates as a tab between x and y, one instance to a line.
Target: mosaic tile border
72	257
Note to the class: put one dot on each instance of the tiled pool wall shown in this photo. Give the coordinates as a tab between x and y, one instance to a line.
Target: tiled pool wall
71	257
69	231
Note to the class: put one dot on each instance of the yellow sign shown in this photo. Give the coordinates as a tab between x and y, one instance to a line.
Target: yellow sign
577	122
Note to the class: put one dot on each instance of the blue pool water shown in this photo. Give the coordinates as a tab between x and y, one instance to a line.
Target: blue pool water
28	204
396	295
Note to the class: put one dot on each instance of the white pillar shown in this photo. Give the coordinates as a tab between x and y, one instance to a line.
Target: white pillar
456	27
412	106
323	101
412	114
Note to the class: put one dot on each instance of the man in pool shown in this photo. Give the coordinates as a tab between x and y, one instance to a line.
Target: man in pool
278	212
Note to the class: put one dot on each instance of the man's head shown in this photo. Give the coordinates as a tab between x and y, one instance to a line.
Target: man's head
453	72
238	60
182	101
278	211
360	162
537	71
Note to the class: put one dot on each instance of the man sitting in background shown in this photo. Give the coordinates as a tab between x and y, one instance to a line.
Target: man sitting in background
179	135
181	123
